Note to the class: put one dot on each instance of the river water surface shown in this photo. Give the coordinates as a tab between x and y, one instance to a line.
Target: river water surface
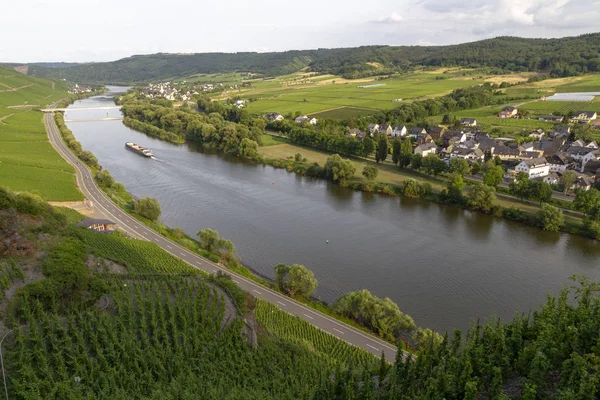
443	266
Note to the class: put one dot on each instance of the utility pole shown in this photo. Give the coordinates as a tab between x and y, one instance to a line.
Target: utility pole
2	363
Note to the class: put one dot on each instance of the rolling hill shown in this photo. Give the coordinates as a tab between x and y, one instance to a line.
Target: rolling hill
562	57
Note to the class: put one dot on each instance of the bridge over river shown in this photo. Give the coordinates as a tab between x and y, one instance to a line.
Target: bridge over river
49	110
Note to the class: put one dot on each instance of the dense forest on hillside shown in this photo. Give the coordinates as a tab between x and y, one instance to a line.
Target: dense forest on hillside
561	57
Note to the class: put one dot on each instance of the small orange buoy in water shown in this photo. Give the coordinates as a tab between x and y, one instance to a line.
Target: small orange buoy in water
272	183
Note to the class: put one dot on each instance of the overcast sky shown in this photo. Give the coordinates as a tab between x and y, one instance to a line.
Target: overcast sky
104	30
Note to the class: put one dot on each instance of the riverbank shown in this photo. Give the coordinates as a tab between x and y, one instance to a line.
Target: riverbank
391	180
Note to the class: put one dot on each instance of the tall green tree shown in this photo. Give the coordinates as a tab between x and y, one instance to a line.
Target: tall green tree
367	146
339	170
147	207
396	150
493	176
382	149
567	180
370	172
481	197
295	280
434	165
540	191
459	166
551	218
520	186
586	200
406	153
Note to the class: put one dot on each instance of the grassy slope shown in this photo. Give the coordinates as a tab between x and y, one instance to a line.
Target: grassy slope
27	160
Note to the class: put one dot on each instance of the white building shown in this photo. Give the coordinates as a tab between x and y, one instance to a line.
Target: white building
535	168
426	149
399	130
304	118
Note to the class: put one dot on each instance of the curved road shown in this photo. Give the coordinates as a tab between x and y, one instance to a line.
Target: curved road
140	231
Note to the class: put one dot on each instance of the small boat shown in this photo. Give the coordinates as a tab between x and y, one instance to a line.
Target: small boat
139	149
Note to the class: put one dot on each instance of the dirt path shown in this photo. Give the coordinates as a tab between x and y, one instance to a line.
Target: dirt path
3	118
18	88
84	206
337	108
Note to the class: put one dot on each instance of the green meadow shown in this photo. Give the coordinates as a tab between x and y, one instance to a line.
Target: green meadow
27	160
310	94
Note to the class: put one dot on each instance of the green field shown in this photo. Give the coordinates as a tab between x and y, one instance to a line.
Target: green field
562	107
588	83
343	113
27	160
313	94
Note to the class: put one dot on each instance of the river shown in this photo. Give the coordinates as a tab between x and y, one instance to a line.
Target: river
444	266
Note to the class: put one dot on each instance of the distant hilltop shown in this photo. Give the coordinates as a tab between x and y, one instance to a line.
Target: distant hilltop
563	57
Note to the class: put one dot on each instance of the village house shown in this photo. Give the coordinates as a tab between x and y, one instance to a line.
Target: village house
414	132
537	134
559	162
385	129
356	133
453	137
583	117
426	149
551	179
508	112
596	124
583	154
423	138
274	117
535	168
239	103
584	182
436	132
303	118
373	128
468	122
469	154
592	167
399	130
506	153
98	225
551	118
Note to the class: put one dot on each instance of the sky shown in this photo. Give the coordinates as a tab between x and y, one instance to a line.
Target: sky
106	30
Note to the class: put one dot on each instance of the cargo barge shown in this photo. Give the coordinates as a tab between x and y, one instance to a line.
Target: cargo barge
139	149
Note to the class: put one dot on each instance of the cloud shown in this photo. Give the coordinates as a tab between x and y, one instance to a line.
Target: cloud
395	17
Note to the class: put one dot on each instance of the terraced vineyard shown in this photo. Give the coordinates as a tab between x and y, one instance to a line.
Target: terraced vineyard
138	256
156	339
292	328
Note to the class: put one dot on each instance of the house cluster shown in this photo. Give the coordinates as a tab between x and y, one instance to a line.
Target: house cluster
169	91
77	89
303	119
183	91
545	157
